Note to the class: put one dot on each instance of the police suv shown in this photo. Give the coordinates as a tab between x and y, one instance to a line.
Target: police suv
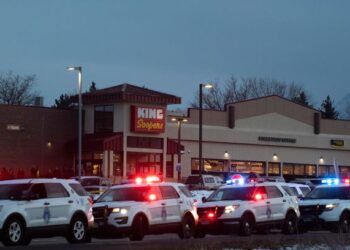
327	207
145	207
243	207
43	208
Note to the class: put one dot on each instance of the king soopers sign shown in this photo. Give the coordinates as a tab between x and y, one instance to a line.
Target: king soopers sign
147	119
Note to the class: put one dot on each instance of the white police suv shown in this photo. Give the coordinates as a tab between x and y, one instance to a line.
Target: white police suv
145	207
327	207
43	208
243	207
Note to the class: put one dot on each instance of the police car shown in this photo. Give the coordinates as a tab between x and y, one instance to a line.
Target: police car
242	207
43	208
145	207
327	207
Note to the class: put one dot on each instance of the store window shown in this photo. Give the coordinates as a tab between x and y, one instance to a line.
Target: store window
310	170
248	166
299	170
344	171
144	164
169	171
274	169
103	118
326	171
208	166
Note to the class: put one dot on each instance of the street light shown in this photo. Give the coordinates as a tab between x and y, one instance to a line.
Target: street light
179	121
201	86
79	69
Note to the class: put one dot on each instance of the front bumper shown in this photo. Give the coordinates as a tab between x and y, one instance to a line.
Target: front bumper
219	226
315	222
102	229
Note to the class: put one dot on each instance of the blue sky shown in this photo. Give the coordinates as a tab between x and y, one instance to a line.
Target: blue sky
172	46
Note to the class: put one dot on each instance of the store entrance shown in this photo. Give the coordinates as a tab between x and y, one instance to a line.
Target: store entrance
144	164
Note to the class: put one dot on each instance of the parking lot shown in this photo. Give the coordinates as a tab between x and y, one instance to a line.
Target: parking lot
274	240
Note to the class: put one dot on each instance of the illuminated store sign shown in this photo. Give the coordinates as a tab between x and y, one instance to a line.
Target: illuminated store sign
337	143
147	119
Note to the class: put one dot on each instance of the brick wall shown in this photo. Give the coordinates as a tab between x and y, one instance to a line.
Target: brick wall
28	147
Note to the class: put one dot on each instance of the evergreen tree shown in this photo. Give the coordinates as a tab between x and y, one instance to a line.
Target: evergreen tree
64	102
302	99
328	109
92	87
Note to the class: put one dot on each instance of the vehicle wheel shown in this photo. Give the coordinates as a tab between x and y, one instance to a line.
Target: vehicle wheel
14	233
78	231
187	228
246	225
290	225
344	223
138	228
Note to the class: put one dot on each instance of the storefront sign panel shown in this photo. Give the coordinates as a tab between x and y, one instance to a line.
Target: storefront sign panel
147	119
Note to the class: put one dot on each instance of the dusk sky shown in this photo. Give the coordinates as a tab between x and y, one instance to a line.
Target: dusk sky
172	46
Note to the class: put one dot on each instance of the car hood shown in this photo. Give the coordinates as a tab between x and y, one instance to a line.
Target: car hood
116	204
9	202
218	204
317	202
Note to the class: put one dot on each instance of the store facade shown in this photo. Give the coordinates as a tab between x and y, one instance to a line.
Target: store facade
271	136
128	131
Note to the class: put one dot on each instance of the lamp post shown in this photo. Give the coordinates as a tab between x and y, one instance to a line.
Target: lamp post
79	69
201	86
179	121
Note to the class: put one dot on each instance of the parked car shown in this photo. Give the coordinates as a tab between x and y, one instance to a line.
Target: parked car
210	182
299	190
96	191
93	181
31	208
133	210
243	208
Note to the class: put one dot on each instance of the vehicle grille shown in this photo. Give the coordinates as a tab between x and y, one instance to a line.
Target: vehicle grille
101	213
312	209
218	211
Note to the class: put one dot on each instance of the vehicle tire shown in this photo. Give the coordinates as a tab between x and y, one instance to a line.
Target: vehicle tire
343	224
138	228
187	227
14	233
78	231
246	225
290	225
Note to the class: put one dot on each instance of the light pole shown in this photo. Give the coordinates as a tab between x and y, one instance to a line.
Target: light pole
179	121
201	86
79	69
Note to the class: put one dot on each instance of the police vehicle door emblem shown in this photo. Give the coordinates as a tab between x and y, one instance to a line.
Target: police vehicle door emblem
164	214
46	215
268	212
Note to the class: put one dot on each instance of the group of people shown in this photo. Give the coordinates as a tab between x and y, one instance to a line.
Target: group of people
20	173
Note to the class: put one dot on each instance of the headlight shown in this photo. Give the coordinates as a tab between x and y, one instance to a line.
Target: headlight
119	210
230	209
331	206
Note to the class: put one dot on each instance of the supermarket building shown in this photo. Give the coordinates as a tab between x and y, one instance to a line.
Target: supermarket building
129	131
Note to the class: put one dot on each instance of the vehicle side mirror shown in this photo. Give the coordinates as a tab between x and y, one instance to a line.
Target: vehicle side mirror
204	199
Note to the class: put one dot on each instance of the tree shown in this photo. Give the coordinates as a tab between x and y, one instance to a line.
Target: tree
64	102
247	88
16	89
328	109
302	99
92	87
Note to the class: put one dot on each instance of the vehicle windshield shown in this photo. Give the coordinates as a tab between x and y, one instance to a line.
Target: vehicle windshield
329	193
234	193
13	191
124	194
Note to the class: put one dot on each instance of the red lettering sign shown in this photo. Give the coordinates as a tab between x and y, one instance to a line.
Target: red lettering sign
147	119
